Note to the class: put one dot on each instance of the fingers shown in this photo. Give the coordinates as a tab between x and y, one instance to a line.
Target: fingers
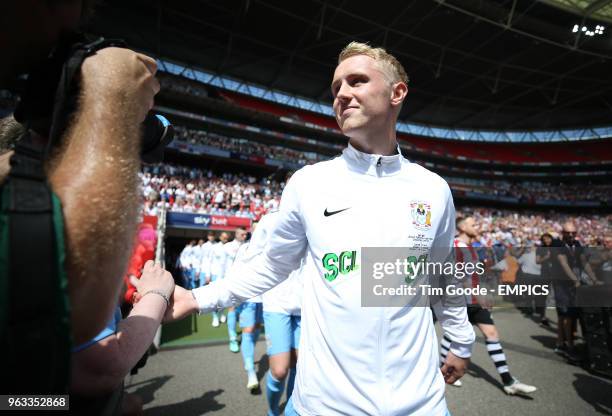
450	374
148	62
152	265
136	297
121	76
156	85
450	379
149	265
155	277
151	83
134	281
454	368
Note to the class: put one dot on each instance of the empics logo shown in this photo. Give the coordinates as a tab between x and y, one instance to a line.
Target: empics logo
342	263
421	214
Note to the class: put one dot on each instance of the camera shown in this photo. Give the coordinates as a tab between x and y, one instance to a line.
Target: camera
50	95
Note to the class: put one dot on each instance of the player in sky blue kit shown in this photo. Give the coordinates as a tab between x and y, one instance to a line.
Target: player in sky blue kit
281	314
251	311
231	249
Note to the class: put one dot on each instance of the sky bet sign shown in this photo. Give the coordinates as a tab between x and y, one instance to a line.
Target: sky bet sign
204	221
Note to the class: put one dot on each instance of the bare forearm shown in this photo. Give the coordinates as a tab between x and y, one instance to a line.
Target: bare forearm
590	272
135	333
95	177
100	368
566	268
541	259
569	273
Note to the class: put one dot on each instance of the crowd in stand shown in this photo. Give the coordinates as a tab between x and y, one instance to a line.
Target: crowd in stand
531	191
185	189
509	227
561	191
247	147
525	191
191	190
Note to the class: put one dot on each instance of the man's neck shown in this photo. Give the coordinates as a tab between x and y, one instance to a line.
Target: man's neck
464	238
380	141
387	148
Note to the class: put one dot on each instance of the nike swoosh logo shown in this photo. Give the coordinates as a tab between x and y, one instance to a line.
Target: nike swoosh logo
330	213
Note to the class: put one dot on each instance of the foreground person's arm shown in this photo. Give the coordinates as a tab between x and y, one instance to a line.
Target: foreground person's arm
95	175
99	367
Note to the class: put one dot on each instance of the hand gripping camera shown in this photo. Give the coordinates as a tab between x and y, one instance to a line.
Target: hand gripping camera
51	94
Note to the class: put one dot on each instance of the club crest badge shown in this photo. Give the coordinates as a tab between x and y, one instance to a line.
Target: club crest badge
421	214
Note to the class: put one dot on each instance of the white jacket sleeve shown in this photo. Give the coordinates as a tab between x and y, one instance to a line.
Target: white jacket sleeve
229	260
451	311
205	259
284	250
241	254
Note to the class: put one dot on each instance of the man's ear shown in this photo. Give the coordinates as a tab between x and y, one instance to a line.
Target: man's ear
399	90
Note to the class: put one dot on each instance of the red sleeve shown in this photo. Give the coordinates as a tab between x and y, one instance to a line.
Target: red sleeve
129	293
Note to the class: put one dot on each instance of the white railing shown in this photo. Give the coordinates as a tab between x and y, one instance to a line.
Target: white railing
160	257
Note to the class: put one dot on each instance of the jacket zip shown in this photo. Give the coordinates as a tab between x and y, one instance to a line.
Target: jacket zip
383	408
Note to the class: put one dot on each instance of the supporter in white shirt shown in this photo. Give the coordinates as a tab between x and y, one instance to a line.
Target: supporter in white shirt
219	197
528	261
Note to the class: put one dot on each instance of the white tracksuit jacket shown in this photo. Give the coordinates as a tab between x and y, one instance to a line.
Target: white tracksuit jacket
249	250
204	266
287	296
218	260
357	360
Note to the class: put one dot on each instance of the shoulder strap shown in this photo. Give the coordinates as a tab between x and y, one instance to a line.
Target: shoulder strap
35	330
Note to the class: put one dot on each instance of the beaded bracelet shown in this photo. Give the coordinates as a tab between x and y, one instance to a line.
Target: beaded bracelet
160	293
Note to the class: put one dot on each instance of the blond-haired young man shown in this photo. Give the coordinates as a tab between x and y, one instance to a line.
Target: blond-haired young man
357	360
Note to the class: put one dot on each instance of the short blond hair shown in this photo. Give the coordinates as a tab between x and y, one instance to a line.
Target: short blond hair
389	64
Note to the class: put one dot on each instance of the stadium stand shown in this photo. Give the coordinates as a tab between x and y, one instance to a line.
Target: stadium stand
587	151
507	227
476	187
528	175
192	190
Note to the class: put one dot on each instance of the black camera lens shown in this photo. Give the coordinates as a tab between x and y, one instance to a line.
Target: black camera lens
157	134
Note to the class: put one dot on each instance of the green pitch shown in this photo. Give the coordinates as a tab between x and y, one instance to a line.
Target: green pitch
193	330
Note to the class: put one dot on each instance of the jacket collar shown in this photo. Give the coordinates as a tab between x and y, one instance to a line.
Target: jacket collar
372	164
